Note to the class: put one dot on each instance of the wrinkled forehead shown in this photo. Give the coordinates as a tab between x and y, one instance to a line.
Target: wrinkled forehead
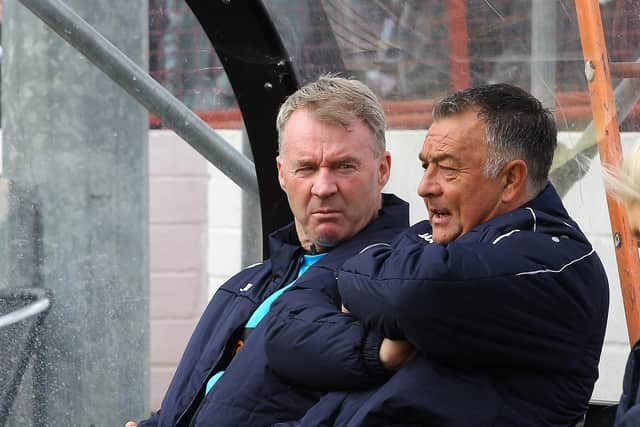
454	136
306	132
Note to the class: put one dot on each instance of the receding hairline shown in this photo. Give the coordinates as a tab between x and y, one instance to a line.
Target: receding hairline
352	120
337	100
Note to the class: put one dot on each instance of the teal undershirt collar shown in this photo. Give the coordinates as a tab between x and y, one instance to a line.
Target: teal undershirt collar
263	309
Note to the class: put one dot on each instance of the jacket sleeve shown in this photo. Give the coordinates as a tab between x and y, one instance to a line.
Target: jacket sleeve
455	303
309	341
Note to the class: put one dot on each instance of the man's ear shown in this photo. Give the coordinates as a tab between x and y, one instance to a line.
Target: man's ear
514	179
384	170
281	179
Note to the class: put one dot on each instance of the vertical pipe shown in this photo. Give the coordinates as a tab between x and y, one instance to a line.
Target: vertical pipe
458	40
251	220
608	138
543	51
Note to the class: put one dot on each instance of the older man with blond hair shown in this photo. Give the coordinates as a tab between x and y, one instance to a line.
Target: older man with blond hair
332	166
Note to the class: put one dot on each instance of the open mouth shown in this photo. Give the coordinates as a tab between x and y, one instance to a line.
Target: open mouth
439	216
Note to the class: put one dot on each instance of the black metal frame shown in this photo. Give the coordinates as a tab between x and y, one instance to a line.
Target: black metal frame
262	76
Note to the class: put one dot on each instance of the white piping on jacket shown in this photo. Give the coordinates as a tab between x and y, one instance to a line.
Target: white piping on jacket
534	219
562	268
366	248
505	235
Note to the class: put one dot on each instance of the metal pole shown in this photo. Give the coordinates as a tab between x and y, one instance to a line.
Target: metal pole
458	40
137	83
77	223
251	221
603	104
543	51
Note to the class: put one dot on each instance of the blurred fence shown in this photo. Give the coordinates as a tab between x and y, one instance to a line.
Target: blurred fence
402	49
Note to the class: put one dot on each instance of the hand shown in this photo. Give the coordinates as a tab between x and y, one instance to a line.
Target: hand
394	354
131	424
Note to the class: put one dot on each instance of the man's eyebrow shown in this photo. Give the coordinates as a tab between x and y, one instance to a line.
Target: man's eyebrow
435	157
303	162
345	159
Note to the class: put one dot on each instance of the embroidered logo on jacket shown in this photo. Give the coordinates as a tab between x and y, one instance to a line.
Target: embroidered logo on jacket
426	236
247	287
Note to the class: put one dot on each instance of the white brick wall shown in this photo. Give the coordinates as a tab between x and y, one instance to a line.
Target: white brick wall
225	218
178	185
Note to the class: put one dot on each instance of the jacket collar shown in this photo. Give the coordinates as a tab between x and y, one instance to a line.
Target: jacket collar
285	246
544	213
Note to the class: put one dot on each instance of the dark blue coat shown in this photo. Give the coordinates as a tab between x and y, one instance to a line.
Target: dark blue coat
508	320
628	413
249	393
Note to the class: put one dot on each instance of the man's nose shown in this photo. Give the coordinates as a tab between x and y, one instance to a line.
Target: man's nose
429	185
325	184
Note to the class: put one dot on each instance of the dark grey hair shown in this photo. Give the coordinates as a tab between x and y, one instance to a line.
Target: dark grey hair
337	100
517	127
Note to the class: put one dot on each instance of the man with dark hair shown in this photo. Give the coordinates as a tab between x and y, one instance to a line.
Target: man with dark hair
500	292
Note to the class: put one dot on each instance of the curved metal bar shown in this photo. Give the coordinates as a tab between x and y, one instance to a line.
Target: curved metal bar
23	313
142	87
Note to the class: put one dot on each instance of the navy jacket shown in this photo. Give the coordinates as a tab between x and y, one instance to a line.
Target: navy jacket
508	321
628	413
249	393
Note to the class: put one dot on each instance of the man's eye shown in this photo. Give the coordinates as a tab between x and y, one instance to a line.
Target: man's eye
448	171
303	169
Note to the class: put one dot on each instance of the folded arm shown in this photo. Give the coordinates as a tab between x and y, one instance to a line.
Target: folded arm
454	304
311	342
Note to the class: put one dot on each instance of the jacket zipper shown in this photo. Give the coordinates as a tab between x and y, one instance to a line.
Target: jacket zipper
193	400
293	267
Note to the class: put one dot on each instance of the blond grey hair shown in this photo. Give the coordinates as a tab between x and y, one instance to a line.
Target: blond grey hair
625	183
337	100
